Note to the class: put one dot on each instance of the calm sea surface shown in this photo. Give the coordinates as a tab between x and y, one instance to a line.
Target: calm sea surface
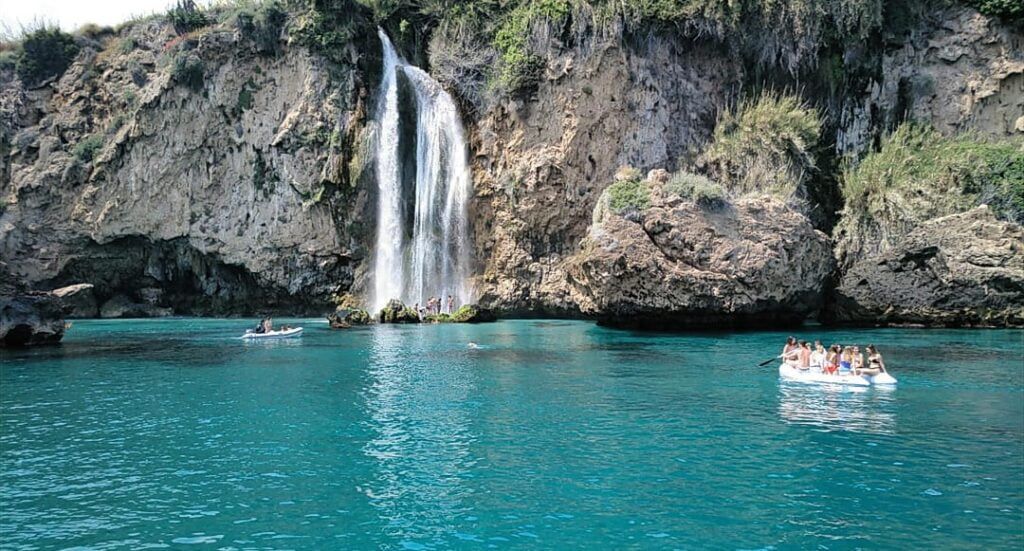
170	433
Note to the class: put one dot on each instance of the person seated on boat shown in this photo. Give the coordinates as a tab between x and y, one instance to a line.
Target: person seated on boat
858	360
875	363
791	352
804	353
832	360
260	327
845	360
818	357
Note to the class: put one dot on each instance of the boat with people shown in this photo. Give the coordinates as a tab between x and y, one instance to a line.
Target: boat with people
281	334
843	365
265	330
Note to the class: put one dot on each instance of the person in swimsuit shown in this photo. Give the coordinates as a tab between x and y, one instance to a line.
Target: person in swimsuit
858	360
875	363
791	352
805	355
845	360
818	357
832	360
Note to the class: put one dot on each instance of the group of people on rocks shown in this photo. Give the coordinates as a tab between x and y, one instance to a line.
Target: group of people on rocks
836	360
434	307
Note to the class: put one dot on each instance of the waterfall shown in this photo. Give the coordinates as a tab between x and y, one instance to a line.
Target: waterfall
430	258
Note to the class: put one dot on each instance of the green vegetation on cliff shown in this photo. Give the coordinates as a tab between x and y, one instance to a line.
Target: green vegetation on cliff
919	174
766	145
629	192
43	54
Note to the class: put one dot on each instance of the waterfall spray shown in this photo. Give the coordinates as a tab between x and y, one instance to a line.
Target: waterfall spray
435	260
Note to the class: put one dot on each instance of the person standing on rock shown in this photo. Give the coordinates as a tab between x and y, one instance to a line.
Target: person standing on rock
451	305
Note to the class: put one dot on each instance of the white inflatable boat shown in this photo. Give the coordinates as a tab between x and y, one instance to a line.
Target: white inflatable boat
293	332
812	375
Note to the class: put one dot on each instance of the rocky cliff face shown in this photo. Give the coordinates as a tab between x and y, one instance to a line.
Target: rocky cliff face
957	70
679	263
222	190
542	164
208	173
960	270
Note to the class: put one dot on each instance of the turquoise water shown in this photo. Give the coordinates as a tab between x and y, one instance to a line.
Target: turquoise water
140	434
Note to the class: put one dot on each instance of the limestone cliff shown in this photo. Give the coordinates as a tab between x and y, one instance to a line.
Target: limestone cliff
214	171
219	187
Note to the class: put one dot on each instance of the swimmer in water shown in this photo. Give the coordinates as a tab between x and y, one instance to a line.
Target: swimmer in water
473	345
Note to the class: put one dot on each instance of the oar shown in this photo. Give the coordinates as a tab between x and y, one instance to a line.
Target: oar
768	361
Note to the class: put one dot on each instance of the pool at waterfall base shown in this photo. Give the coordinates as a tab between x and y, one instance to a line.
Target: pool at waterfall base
550	434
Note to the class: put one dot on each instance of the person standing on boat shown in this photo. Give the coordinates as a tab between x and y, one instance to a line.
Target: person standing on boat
268	325
791	352
875	363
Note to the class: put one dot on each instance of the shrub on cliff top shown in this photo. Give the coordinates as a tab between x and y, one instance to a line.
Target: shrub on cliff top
45	53
765	146
185	17
627	195
919	174
697	188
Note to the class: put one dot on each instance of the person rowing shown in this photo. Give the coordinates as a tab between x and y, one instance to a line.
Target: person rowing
791	352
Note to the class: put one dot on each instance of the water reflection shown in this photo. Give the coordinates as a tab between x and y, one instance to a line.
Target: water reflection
418	410
839	408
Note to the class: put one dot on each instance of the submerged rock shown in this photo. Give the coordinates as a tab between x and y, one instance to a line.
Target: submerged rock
343	318
756	262
960	270
395	311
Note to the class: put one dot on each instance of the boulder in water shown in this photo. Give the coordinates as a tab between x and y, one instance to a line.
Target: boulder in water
472	313
30	318
395	311
678	264
960	270
343	318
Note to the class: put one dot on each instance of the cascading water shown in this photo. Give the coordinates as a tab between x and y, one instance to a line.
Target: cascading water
434	259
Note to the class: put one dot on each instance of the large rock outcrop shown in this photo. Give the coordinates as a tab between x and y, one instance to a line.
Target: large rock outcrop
961	270
756	262
542	164
228	190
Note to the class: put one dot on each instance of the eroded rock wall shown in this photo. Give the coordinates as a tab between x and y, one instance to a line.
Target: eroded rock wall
540	165
240	183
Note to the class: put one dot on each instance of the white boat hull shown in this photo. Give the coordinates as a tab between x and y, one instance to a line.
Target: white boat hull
294	332
814	376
